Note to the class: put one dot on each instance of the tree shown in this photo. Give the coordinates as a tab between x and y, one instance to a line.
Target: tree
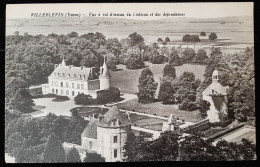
164	43
93	157
83	99
73	34
167	39
134	61
202	34
188	105
174	58
53	151
136	40
16	33
213	36
106	96
169	71
159	40
188	55
73	155
190	38
200	57
156	57
204	106
147	87
166	93
111	61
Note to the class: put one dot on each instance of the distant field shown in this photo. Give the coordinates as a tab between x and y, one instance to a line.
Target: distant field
127	80
161	110
151	31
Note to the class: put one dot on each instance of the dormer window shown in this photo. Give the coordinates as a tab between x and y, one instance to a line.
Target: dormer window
212	91
63	75
114	122
58	74
68	75
80	77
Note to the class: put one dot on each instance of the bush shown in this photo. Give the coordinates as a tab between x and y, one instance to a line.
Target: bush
167	39
190	38
164	43
202	34
213	36
159	40
186	104
156	58
84	99
134	62
107	96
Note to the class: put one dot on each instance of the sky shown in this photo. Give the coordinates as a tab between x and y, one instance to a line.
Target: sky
191	10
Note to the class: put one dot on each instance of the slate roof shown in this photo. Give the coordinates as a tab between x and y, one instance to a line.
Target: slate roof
215	89
91	130
114	114
71	72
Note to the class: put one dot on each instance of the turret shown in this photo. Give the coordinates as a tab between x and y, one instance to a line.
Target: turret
63	63
105	78
215	76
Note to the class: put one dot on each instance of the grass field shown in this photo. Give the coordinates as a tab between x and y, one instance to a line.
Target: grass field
161	110
127	80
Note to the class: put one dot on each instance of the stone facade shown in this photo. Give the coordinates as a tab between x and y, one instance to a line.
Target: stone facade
218	108
107	135
71	81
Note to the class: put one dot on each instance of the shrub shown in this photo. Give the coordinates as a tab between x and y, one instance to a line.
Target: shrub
190	38
213	36
159	40
134	62
156	58
187	104
202	34
84	99
167	39
107	96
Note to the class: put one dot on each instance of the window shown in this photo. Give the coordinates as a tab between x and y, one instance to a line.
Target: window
78	86
52	90
56	91
61	84
58	74
68	75
73	93
72	85
67	84
61	92
90	144
82	86
115	153
56	83
80	77
115	139
84	76
67	92
52	83
75	76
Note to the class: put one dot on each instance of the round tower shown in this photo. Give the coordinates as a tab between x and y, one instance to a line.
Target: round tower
112	131
105	78
215	76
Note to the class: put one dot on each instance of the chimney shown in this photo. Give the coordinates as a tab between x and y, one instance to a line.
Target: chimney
55	65
70	66
91	72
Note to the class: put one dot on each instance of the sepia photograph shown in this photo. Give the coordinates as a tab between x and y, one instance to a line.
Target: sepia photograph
129	82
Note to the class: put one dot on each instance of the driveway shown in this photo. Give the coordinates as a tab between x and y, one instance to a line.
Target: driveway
64	107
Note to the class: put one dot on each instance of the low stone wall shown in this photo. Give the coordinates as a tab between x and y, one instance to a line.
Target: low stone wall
199	126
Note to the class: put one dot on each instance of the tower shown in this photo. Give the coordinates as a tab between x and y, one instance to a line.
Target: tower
112	131
105	78
216	95
63	63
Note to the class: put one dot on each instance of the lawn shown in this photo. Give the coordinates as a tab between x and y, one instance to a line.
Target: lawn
161	110
127	80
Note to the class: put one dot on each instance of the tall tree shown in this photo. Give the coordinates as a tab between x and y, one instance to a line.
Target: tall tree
73	155
147	87
54	151
93	157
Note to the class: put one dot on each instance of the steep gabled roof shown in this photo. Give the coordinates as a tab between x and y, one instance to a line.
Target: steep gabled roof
91	130
71	72
112	115
215	89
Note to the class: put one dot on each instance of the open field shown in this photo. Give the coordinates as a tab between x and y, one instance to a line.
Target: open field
161	110
235	31
127	80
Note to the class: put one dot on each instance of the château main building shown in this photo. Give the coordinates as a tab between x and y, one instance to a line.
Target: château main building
71	81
